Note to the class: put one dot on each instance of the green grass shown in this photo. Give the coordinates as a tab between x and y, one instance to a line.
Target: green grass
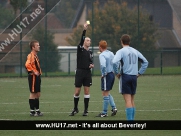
157	98
164	71
149	71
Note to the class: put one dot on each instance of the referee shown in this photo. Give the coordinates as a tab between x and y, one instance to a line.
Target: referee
34	72
83	74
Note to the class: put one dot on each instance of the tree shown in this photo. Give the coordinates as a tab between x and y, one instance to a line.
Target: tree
17	4
66	10
6	17
113	19
50	59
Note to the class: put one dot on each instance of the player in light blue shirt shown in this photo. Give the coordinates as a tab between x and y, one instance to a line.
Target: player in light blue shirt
107	78
128	73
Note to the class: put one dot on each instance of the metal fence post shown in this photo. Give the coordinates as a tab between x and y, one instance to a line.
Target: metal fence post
69	63
161	63
92	31
138	23
45	38
21	43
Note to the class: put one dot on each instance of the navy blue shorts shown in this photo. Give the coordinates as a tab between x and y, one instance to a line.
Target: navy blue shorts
107	82
128	84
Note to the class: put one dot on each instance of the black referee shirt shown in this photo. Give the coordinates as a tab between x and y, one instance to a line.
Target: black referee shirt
84	57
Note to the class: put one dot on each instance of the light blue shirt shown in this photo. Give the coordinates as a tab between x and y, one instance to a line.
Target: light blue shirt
128	58
105	59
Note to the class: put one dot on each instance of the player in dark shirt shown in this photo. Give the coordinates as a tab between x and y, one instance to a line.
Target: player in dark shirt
83	74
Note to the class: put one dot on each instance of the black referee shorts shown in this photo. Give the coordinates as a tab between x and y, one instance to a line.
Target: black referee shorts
34	83
83	77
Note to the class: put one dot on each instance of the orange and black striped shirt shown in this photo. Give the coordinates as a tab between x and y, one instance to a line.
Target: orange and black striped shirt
33	64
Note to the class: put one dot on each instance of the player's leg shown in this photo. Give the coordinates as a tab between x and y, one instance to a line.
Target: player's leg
86	100
133	89
76	101
113	105
78	84
32	103
87	82
129	106
31	82
134	109
110	82
76	97
38	90
37	103
127	95
105	94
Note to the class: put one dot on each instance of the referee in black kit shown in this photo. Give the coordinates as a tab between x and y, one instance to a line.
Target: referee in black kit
83	74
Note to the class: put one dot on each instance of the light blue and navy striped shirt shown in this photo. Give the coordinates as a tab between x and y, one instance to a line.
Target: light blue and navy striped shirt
105	59
128	58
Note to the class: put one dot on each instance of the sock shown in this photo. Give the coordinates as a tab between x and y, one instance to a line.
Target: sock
37	104
105	104
76	100
129	113
134	110
31	103
86	102
111	101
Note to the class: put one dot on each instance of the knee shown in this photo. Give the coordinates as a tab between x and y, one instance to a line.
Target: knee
38	95
76	94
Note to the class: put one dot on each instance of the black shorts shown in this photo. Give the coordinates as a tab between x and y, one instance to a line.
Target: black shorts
83	77
34	83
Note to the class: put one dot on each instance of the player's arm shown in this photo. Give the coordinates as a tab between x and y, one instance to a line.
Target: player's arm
144	64
91	60
83	36
116	62
29	65
102	61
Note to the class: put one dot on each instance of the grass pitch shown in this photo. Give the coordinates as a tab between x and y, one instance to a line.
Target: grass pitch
157	98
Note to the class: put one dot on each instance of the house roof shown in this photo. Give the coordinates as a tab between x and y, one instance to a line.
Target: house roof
168	39
52	22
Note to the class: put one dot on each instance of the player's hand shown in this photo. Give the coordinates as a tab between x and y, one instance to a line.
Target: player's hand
118	76
37	73
85	26
91	65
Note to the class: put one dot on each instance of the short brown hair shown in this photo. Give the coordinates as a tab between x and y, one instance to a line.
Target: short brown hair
103	44
125	38
32	43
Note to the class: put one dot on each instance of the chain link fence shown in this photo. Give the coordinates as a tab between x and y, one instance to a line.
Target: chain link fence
154	27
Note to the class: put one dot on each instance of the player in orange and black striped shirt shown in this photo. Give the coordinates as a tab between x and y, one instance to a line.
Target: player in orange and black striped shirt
34	78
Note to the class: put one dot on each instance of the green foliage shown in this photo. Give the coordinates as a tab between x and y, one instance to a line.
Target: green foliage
17	4
113	19
6	17
66	10
75	37
48	55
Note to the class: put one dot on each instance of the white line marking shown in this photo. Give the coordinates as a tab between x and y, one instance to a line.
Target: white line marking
7	81
47	112
82	101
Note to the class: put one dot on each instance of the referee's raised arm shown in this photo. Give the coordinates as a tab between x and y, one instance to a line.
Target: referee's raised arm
83	35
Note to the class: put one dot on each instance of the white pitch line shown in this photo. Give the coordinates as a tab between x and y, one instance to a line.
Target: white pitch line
42	102
7	81
11	103
47	112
